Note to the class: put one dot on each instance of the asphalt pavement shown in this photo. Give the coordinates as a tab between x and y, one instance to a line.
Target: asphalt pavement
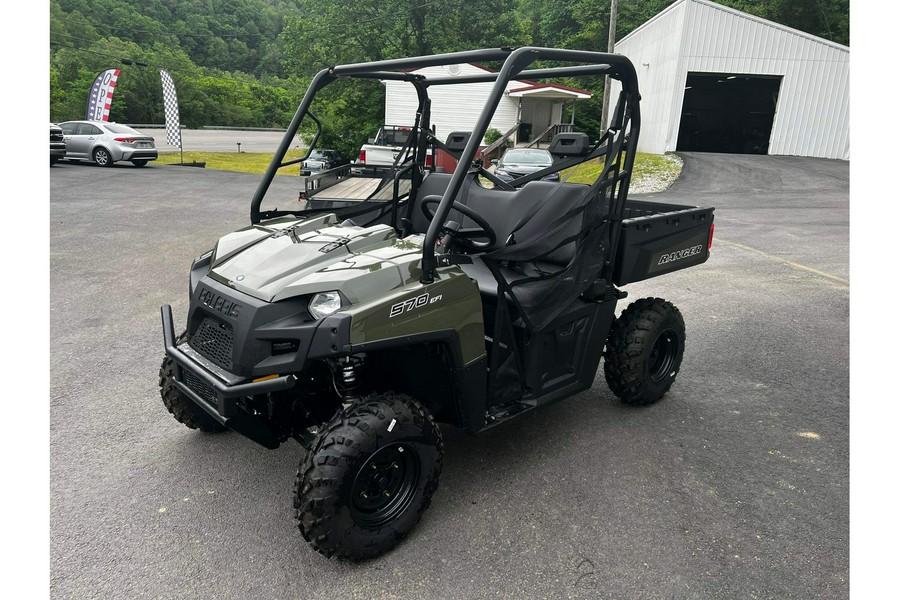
736	485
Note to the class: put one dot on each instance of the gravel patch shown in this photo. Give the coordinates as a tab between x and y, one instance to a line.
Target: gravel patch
658	179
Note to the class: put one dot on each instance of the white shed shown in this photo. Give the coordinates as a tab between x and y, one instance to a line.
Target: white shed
716	79
528	111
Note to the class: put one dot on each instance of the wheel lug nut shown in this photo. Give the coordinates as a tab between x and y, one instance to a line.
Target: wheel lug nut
387	494
364	495
395	466
374	466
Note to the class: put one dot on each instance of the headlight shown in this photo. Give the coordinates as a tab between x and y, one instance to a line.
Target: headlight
324	304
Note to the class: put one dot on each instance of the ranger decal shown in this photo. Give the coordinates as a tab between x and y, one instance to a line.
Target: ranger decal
679	254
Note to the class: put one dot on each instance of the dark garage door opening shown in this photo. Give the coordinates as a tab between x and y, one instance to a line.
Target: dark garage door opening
728	113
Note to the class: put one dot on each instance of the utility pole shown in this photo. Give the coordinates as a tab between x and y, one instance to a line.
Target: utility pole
611	47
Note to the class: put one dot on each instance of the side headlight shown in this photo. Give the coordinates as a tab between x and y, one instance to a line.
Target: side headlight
324	304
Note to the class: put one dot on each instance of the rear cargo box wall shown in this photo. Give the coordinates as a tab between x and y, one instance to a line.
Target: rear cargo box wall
660	238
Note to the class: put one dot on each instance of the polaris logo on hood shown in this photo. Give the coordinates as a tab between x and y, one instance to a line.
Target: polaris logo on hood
679	254
219	303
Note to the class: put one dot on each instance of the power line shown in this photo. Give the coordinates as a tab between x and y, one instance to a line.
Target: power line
80	39
117	58
150	65
199	35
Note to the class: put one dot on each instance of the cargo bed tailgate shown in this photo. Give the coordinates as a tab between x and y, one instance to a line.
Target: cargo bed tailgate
658	238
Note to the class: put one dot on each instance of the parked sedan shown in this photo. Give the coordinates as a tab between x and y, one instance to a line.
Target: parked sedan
57	144
518	162
107	143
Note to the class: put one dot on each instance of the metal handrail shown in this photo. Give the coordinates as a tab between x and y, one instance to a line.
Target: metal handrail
555	128
501	140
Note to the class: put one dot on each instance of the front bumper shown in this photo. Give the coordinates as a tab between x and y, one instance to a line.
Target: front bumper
217	391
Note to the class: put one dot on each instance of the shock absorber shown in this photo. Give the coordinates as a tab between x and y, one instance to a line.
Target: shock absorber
349	372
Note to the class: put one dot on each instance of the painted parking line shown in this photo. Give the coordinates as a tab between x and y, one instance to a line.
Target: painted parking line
844	282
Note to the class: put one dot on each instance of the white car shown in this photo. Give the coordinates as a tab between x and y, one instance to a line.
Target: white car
107	143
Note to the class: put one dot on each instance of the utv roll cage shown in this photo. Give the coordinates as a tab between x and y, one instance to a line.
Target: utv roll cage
616	144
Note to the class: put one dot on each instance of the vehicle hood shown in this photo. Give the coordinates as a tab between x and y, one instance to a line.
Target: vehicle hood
524	168
297	257
517	170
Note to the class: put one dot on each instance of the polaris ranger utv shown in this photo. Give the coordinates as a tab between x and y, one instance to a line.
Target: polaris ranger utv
464	299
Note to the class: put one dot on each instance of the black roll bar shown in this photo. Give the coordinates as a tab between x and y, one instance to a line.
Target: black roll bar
515	62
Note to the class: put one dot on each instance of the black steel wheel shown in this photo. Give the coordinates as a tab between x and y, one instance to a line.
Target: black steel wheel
102	157
368	477
385	486
180	406
644	351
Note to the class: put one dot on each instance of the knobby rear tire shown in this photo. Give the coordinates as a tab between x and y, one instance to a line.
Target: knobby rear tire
644	350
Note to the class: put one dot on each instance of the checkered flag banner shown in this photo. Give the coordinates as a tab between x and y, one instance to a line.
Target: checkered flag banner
170	101
101	95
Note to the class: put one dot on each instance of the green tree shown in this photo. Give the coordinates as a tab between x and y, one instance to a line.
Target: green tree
247	62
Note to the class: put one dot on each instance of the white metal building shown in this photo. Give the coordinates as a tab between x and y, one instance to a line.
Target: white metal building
456	107
713	78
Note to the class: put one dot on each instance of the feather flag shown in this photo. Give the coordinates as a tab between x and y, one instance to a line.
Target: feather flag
101	95
170	102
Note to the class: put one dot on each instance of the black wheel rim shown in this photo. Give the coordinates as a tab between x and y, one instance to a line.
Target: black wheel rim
662	355
385	486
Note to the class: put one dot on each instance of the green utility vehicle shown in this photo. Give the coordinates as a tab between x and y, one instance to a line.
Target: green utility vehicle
455	298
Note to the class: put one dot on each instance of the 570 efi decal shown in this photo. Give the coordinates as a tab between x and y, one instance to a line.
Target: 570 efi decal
413	303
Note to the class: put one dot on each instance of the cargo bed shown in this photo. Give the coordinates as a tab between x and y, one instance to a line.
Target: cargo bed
658	238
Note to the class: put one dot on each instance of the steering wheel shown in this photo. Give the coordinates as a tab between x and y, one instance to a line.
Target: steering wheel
465	237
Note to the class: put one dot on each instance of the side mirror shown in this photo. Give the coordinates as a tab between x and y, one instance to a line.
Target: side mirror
494	161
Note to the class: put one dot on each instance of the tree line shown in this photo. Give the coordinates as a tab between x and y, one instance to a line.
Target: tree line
248	62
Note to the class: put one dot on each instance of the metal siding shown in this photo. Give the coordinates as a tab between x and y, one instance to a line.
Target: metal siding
811	116
661	84
812	113
820	105
453	107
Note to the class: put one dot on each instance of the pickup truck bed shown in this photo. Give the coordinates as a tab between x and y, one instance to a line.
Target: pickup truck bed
353	188
337	188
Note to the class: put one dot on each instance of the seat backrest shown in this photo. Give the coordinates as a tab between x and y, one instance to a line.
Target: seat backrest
457	140
503	209
573	143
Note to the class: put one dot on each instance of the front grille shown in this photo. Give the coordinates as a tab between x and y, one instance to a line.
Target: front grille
200	387
214	340
56	136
